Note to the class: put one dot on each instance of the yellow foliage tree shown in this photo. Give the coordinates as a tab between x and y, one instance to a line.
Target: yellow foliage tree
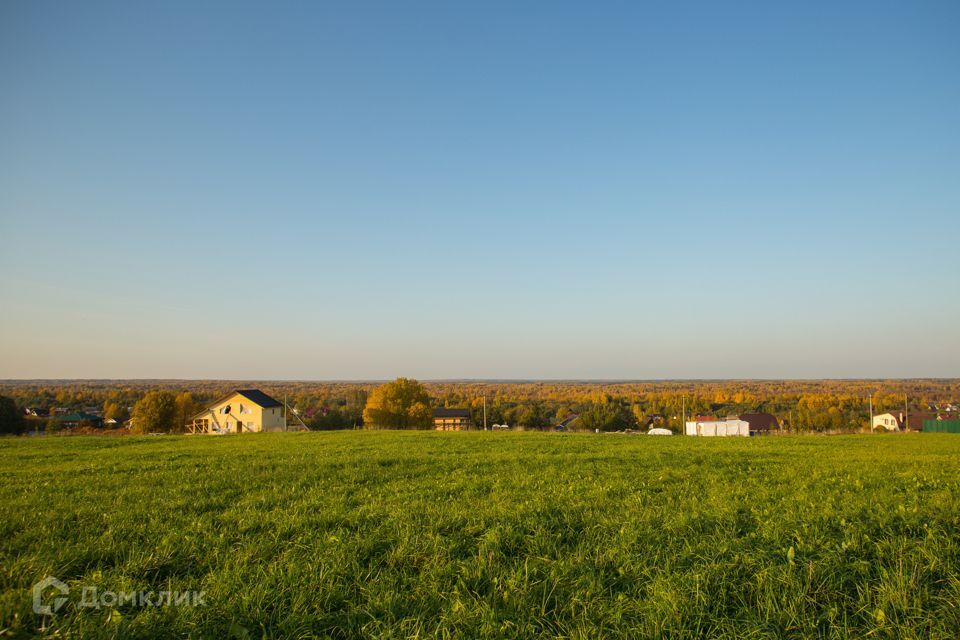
401	404
156	412
186	407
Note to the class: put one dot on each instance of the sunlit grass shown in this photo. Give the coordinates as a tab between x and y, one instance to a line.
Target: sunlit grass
401	535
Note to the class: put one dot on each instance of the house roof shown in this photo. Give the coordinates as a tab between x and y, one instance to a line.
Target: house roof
259	397
451	413
570	419
79	416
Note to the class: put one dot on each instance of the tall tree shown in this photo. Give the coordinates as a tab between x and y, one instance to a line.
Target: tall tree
534	416
401	404
638	414
356	401
155	412
186	408
11	417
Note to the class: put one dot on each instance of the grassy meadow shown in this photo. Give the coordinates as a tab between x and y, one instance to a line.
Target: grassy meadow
512	535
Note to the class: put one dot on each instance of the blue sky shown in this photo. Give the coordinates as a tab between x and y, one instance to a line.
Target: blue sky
344	190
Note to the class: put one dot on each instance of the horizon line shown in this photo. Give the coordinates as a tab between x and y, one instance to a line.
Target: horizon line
482	380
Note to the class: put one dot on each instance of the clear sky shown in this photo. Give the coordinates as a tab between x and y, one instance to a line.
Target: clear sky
344	190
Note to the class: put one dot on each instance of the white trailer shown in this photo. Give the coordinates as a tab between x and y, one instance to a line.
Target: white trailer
718	428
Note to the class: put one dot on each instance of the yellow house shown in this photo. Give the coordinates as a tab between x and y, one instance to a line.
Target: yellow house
244	410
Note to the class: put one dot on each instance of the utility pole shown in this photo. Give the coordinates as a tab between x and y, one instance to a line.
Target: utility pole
906	414
683	417
871	413
484	413
284	411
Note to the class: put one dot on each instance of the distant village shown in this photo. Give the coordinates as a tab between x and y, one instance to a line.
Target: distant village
253	411
942	418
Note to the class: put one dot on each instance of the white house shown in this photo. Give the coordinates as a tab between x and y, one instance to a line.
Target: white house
890	421
732	427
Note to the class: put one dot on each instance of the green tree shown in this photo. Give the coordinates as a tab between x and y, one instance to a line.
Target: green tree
11	417
606	416
401	404
155	412
534	416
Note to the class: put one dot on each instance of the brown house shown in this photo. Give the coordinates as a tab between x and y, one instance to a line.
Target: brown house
761	423
451	419
914	419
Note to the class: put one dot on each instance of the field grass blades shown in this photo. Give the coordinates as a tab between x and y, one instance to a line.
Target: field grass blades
462	535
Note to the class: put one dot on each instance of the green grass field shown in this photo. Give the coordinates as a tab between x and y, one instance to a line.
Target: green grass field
460	535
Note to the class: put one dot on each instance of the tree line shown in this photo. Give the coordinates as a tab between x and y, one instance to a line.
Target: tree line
801	405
